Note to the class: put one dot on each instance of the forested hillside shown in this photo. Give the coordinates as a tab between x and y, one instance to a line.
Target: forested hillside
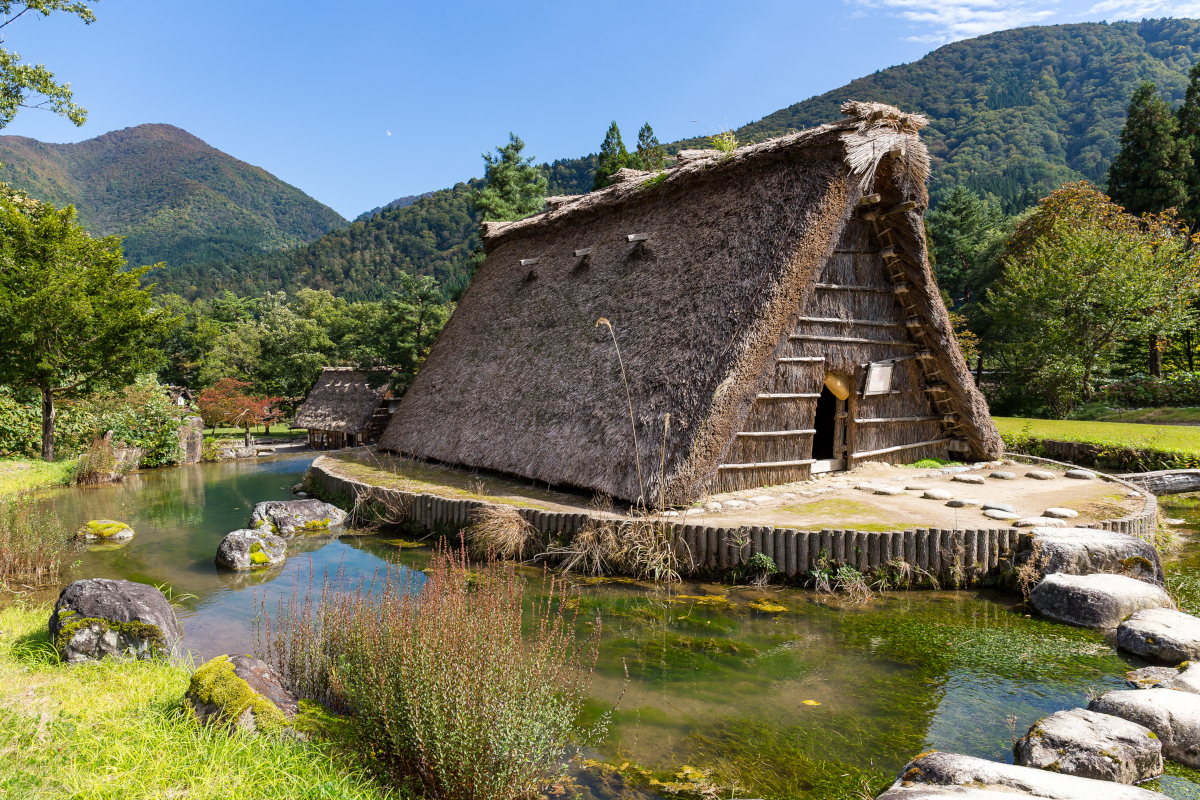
434	235
173	197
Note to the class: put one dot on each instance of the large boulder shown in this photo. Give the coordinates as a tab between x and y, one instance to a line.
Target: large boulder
968	778
1090	745
290	517
106	530
1097	601
1173	716
241	692
100	617
250	549
1161	634
1082	551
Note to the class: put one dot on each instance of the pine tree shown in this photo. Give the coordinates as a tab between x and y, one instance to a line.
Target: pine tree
1189	134
1150	172
613	156
515	188
649	151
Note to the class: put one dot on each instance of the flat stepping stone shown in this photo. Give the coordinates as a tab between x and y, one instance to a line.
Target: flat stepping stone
1083	551
762	498
1060	513
916	487
890	490
963	503
949	775
995	513
937	494
867	487
1100	601
1161	634
997	507
976	479
1040	522
733	505
1150	677
1091	745
1041	475
954	470
1173	716
1081	474
1004	476
1185	679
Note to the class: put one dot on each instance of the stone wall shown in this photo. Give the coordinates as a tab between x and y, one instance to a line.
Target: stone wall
951	556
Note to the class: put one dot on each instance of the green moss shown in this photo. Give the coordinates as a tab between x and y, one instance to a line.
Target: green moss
104	528
216	683
138	630
1137	561
317	524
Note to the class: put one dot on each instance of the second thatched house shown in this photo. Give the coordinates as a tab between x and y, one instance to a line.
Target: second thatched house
344	410
739	320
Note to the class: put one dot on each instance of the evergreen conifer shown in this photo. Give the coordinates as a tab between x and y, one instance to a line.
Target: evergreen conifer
1150	172
613	156
515	188
1189	134
649	151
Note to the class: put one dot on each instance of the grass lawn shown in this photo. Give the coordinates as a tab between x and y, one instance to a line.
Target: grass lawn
1159	437
20	474
277	432
120	730
1165	416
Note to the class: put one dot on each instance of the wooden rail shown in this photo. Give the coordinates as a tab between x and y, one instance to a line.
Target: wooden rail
798	432
849	340
899	447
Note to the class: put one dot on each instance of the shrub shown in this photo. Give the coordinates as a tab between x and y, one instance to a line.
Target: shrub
444	691
501	532
1141	391
33	542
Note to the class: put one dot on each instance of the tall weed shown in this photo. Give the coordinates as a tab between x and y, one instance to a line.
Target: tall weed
445	691
33	543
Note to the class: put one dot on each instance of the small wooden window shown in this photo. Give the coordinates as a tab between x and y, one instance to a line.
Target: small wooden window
879	378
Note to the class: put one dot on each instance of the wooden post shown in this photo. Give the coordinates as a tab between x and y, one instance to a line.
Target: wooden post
851	415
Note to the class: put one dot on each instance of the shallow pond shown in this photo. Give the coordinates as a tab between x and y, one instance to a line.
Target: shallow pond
810	701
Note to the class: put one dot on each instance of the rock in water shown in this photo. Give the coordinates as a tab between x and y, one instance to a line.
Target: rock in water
106	530
1082	551
1098	601
968	778
1150	677
248	549
289	517
241	692
1161	634
1173	716
1090	745
99	617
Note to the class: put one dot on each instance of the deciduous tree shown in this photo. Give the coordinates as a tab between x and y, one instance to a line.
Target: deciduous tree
74	319
32	85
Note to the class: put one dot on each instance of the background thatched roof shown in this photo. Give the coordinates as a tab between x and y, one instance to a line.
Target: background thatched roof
340	401
523	380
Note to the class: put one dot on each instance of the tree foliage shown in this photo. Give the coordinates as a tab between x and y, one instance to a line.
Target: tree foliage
1077	283
410	323
515	188
1149	173
649	152
613	156
32	85
227	402
966	235
74	319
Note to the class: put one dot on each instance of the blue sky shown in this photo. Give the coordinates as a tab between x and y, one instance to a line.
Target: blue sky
358	104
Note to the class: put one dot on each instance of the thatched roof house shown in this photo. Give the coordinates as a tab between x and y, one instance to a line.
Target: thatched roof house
343	410
776	303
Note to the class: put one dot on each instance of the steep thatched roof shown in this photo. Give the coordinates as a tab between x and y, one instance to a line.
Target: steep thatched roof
701	270
340	401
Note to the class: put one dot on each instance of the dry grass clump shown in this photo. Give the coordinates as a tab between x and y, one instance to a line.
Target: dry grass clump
446	694
99	462
640	548
500	532
1032	571
33	544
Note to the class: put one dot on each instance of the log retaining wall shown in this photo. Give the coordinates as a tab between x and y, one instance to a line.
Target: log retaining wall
950	556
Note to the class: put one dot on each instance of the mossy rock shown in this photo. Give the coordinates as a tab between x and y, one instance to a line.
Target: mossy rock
101	618
248	549
242	693
106	530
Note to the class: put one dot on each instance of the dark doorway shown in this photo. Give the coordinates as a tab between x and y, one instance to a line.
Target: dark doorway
827	404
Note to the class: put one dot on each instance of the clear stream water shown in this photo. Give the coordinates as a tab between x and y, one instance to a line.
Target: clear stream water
808	702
